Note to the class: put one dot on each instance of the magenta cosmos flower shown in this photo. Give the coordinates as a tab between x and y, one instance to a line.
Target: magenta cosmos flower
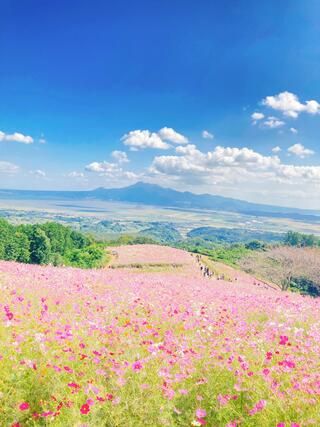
24	406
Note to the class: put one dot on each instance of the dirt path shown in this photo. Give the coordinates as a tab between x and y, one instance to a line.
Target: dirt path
165	259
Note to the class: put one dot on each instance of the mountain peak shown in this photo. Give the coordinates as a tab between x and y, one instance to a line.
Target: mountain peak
141	184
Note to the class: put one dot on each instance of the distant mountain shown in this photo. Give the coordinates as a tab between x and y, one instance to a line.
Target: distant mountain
151	194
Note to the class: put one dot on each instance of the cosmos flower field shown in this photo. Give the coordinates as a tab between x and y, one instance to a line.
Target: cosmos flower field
112	347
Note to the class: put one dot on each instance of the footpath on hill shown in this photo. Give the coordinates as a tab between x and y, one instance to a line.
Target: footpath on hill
164	259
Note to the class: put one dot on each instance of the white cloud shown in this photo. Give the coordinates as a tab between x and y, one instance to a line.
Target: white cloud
205	164
276	149
131	175
207	135
188	150
229	166
8	168
103	168
300	151
75	174
293	130
16	137
112	170
139	139
290	105
256	117
273	122
120	156
38	173
170	135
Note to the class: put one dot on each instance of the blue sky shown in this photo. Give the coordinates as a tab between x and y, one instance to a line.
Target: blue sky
81	81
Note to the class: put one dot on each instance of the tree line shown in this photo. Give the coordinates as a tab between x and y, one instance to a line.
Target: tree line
49	243
293	238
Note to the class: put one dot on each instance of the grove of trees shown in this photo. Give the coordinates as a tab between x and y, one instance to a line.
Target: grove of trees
48	243
293	238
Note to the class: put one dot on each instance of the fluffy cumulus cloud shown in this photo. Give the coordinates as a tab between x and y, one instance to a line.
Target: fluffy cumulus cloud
139	139
16	137
300	151
256	117
170	135
270	122
8	167
104	168
120	156
289	104
230	165
276	149
293	130
273	122
207	135
111	170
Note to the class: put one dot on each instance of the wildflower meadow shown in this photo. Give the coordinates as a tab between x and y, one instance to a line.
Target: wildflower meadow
121	348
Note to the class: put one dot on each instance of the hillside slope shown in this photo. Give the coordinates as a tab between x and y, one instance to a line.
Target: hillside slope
120	347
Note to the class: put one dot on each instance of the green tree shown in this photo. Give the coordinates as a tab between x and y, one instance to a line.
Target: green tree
292	238
79	240
59	236
22	247
255	245
40	247
49	243
309	240
5	232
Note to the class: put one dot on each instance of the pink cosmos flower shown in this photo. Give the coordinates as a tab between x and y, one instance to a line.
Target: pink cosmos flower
9	316
24	406
201	421
258	407
201	413
223	400
47	414
283	340
116	401
85	408
136	366
168	393
73	385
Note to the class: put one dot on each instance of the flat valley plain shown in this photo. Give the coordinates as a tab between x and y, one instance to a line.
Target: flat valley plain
132	218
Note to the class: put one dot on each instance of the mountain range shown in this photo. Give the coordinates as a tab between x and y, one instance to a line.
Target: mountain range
155	195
